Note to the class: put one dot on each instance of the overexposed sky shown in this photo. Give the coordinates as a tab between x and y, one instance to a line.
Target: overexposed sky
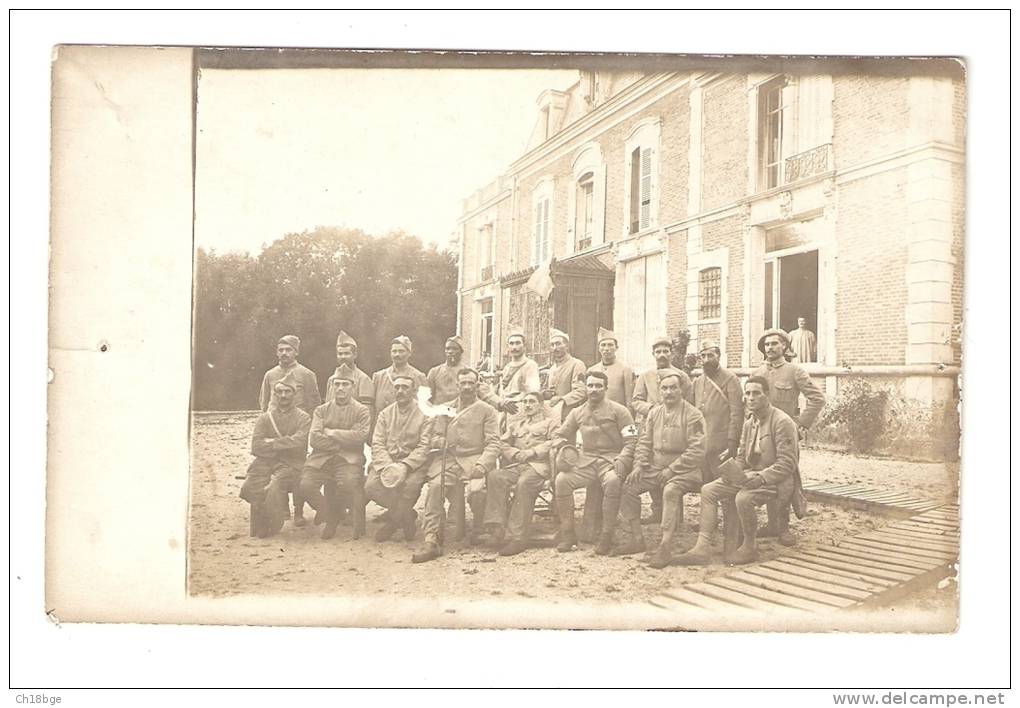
284	150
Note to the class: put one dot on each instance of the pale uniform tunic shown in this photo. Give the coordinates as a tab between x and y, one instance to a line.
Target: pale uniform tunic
802	344
382	384
721	402
363	391
621	381
442	381
516	379
566	379
404	437
646	390
786	383
306	387
525	468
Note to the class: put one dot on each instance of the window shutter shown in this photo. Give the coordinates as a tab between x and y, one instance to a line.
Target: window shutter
646	187
536	235
545	230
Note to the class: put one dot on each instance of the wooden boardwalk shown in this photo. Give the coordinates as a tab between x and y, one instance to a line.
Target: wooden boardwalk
865	498
867	570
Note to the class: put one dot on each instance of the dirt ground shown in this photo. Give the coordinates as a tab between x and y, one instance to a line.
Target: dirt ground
225	561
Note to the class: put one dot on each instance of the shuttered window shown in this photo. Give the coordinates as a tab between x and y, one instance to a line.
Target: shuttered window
640	189
540	232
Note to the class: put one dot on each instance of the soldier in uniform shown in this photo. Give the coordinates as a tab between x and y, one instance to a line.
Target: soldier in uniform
401	349
306	395
620	376
518	376
787	382
668	457
525	469
337	461
471	442
279	444
400	447
346	365
717	395
608	435
565	377
442	379
764	467
646	395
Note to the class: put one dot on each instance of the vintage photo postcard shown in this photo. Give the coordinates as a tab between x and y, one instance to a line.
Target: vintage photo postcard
565	341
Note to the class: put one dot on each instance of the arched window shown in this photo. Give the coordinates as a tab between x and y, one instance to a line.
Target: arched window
641	204
586	206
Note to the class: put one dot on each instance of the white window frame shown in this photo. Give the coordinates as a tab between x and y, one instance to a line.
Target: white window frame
588	160
644	136
696	264
541	227
486	249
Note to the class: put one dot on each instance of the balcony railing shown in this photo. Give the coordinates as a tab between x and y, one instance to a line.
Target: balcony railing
808	163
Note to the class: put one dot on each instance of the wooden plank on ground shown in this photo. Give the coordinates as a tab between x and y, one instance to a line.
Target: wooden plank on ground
901	563
886	554
922	530
685	595
909	541
887	548
822	573
822	586
728	595
849	577
778	598
858	565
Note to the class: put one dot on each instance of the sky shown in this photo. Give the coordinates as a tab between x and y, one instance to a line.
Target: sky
285	150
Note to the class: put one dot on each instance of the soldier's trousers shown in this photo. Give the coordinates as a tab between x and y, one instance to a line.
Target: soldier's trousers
455	483
267	485
734	500
526	483
672	495
406	493
572	478
343	484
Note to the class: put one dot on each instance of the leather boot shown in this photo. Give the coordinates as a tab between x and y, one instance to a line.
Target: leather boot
566	541
635	544
513	548
700	554
661	558
496	536
329	530
430	552
386	531
605	544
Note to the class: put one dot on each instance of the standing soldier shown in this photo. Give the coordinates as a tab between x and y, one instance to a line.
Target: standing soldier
787	382
382	380
400	453
646	396
442	379
525	469
469	448
279	444
620	376
346	365
337	462
669	455
518	376
717	395
306	395
566	375
608	435
763	470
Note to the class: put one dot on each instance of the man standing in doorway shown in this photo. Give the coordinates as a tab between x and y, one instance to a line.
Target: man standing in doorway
802	343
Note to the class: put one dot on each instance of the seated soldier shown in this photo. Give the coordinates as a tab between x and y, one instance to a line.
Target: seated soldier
607	452
279	443
471	441
525	469
337	461
764	468
400	455
668	457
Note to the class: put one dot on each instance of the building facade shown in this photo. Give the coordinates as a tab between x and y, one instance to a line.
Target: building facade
726	204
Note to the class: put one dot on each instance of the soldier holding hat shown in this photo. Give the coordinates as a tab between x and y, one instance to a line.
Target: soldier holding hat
337	462
442	379
566	375
401	349
717	395
787	382
306	394
400	455
279	444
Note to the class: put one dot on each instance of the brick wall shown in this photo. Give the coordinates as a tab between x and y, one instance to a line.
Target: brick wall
870	117
676	276
871	291
724	142
729	233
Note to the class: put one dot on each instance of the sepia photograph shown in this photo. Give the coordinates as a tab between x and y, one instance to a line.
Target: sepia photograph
669	341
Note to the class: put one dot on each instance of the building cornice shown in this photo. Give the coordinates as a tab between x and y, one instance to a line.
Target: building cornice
487	204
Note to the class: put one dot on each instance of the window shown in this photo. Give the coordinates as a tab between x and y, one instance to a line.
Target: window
485	244
585	216
710	293
540	232
772	103
485	307
641	198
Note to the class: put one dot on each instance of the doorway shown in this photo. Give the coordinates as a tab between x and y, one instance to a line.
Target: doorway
791	290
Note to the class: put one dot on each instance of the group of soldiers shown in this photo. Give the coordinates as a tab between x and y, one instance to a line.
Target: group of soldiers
498	440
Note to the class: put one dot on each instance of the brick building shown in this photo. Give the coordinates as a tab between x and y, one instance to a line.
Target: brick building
728	203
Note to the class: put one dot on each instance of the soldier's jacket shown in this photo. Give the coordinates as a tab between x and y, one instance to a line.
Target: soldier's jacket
534	434
786	382
401	437
289	445
601	437
516	379
442	380
621	381
672	439
472	436
339	430
363	390
770	446
306	393
382	384
722	404
646	390
566	379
